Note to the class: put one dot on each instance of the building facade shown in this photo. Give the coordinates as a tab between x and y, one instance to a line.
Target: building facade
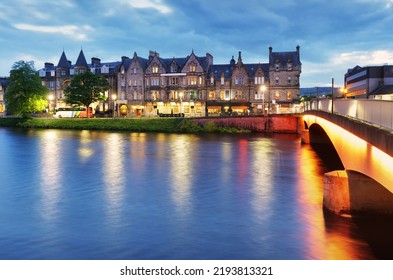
374	82
189	86
3	87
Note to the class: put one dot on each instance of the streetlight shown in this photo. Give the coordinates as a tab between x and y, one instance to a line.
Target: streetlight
50	98
263	89
114	97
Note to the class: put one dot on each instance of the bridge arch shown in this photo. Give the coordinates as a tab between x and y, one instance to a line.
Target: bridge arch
367	169
355	153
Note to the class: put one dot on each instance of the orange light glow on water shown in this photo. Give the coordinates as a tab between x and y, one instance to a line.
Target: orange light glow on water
326	239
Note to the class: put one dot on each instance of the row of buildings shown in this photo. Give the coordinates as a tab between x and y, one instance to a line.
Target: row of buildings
191	85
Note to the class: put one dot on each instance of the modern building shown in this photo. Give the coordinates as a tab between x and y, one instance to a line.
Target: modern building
190	86
374	82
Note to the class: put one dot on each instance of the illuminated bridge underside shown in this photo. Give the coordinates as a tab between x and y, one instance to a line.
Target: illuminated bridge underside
361	147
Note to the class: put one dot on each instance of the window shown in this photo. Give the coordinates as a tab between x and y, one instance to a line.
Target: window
277	80
277	67
155	81
289	80
239	81
154	69
289	66
289	95
222	80
212	95
192	68
192	81
173	81
52	73
134	70
51	84
277	94
63	72
200	81
121	71
173	68
259	80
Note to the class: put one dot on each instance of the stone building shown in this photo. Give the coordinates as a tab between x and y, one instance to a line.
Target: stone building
3	87
57	78
191	86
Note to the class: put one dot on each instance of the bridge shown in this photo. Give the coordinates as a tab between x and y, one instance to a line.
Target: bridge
361	132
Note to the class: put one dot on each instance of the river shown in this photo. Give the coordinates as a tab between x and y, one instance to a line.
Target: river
108	195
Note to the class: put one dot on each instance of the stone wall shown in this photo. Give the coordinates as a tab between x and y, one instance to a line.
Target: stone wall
275	123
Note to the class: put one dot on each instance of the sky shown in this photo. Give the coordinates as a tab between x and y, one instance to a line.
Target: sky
333	35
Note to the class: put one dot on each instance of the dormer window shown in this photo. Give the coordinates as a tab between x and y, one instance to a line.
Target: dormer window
277	67
122	70
289	66
173	68
192	68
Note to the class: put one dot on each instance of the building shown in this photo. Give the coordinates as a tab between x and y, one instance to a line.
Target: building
3	87
191	86
374	82
57	78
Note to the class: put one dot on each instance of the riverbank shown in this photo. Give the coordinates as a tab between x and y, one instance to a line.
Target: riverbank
169	125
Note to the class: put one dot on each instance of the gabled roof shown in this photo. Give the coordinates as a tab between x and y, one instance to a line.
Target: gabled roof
63	62
218	69
81	61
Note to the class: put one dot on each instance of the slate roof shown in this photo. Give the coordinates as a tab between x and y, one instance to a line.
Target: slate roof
284	57
81	61
63	62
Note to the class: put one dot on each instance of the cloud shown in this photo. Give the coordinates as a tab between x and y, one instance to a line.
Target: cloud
157	5
363	58
72	31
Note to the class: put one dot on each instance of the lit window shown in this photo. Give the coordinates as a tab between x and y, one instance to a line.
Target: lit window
289	95
192	68
212	80
154	69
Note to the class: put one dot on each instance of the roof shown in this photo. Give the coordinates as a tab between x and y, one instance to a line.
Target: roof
81	61
63	62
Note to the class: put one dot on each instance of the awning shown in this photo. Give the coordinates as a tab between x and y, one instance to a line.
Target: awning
239	107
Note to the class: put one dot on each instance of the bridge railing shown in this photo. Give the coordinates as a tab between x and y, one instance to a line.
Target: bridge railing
378	112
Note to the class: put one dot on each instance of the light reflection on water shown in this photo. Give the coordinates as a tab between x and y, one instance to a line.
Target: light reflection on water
100	195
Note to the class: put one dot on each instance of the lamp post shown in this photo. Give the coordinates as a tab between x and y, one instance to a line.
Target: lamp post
50	98
263	89
114	97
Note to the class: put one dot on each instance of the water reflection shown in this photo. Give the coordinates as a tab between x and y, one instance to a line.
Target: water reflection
113	175
328	236
166	196
181	171
51	173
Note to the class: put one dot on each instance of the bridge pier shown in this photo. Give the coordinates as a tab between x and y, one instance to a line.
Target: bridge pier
348	193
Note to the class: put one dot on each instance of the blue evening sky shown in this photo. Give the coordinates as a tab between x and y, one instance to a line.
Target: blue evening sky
333	35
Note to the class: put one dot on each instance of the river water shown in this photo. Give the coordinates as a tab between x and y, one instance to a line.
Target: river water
107	195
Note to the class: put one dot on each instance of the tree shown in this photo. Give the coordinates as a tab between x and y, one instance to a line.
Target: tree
25	93
86	88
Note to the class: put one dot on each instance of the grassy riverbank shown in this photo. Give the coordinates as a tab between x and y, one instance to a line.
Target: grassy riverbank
169	125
